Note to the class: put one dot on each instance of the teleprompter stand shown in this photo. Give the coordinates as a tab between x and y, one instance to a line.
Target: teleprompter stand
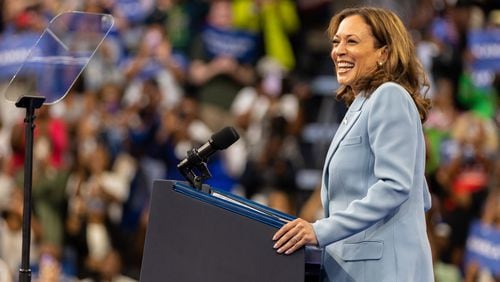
45	77
30	103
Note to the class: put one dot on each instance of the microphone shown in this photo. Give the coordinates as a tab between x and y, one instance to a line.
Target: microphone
218	141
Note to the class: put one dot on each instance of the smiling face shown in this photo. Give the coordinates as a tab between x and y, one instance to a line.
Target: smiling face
354	51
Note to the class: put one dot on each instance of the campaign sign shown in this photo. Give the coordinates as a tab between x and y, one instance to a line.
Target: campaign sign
483	246
13	51
233	43
134	10
485	47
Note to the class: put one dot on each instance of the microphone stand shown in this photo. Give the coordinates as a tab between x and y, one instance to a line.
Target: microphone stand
30	103
195	161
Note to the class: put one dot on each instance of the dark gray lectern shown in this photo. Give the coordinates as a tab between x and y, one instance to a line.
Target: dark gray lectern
208	235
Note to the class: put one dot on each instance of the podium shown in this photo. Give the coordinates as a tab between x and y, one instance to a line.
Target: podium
209	235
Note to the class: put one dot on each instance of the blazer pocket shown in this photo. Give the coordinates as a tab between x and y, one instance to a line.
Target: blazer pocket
351	141
365	250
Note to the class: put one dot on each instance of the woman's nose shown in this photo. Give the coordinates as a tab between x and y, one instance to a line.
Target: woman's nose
337	52
339	49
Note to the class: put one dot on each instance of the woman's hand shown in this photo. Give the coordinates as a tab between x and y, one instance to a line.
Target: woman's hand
294	235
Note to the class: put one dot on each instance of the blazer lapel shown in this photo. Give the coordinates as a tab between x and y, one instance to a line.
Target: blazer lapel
349	120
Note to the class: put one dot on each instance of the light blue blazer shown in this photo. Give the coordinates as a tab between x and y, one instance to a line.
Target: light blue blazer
374	193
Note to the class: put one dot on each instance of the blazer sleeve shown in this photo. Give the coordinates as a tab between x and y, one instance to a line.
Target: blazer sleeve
393	139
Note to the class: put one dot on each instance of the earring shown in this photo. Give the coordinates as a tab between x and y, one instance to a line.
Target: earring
380	64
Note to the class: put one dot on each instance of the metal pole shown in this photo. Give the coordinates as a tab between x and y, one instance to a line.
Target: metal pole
30	103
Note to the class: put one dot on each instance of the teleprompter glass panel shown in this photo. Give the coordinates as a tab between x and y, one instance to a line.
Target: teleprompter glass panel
59	56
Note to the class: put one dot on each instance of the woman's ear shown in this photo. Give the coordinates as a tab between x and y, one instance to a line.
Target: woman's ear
383	54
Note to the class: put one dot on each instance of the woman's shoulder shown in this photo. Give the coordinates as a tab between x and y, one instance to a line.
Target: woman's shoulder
390	86
391	96
391	90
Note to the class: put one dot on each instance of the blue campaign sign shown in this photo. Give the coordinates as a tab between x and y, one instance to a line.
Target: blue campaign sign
485	47
14	48
483	246
134	10
236	44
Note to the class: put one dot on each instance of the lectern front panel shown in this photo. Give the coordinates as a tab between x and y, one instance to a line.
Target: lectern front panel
191	239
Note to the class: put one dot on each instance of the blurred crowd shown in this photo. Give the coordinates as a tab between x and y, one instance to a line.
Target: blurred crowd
173	72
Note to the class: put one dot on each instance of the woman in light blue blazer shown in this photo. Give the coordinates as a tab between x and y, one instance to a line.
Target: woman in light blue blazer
373	188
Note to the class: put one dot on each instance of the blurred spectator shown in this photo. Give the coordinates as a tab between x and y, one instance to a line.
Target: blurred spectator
110	270
144	117
469	155
50	269
438	128
222	59
7	184
311	46
51	131
11	233
276	22
467	166
5	274
154	61
255	106
443	271
96	191
103	69
269	177
479	99
439	234
144	121
130	15
181	130
49	173
113	123
475	91
268	112
182	20
427	51
448	30
31	19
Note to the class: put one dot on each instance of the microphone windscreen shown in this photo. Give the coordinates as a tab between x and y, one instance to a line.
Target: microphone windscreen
224	138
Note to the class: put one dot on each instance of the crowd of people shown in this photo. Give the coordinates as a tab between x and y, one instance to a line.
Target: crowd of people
173	72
